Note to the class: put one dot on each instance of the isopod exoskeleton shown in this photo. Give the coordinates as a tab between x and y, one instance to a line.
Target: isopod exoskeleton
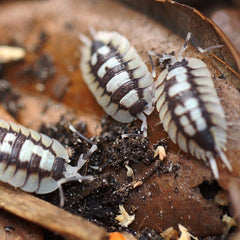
35	162
189	107
117	77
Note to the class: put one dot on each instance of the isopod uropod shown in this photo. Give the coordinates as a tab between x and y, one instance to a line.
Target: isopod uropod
189	107
117	77
35	162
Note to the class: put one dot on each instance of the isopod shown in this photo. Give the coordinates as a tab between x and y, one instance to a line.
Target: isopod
117	77
189	107
34	162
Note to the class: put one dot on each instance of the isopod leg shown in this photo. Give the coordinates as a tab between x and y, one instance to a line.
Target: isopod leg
90	151
225	161
195	44
214	167
60	182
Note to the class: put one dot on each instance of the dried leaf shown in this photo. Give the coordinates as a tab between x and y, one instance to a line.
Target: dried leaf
46	215
174	195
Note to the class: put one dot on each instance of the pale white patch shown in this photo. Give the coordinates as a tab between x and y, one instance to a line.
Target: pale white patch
219	121
19	178
204	81
2	167
172	131
135	63
145	80
47	160
14	127
46	141
176	71
117	81
4	124
140	71
35	135
47	185
195	114
196	63
161	78
160	101
206	90
123	116
182	142
216	109
32	183
203	155
129	55
129	99
111	109
124	45
104	100
115	38
178	88
59	150
191	103
149	98
179	110
184	121
201	124
166	121
8	173
98	92
94	59
210	98
191	146
8	142
24	131
104	50
109	64
190	130
181	78
159	91
163	111
201	72
197	152
26	151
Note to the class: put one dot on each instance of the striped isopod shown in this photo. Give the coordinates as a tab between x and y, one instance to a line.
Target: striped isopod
33	161
189	107
117	77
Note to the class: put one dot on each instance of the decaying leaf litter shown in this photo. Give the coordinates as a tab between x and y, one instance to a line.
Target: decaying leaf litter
181	167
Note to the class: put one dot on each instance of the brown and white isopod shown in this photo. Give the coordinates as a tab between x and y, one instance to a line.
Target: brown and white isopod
35	162
117	77
189	107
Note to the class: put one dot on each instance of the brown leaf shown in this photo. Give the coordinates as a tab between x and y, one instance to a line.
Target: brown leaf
46	215
50	28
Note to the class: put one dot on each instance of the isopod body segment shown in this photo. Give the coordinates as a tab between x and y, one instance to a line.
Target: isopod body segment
33	161
117	77
190	109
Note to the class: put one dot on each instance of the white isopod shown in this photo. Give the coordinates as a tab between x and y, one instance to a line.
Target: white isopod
117	77
189	107
35	162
